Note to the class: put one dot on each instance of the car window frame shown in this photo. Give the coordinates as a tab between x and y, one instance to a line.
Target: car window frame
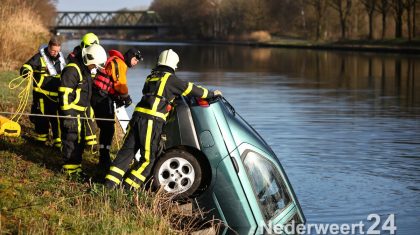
283	184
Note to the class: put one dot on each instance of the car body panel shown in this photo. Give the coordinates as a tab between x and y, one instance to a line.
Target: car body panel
225	139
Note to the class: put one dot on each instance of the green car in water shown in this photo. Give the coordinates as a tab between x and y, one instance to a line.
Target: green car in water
215	157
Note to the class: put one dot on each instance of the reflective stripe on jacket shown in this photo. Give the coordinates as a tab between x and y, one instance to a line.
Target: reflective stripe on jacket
161	88
43	82
75	89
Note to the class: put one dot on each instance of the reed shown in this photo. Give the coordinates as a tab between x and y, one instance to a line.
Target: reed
21	33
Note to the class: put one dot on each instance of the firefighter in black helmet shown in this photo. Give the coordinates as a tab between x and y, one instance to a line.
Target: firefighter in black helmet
145	127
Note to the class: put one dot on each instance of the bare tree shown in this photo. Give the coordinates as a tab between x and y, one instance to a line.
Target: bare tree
320	8
255	14
370	6
232	15
343	7
216	18
398	8
285	15
414	18
409	5
383	8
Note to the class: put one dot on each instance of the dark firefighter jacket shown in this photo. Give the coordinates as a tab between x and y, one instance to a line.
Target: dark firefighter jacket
161	88
44	83
75	89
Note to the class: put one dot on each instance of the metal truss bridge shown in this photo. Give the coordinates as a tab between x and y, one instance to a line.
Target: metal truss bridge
113	20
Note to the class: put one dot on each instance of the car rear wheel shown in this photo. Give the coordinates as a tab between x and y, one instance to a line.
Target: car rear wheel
178	172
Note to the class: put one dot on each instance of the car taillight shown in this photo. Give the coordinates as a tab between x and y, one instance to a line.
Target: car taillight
203	103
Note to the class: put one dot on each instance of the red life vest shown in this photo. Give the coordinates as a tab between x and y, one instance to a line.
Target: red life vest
104	81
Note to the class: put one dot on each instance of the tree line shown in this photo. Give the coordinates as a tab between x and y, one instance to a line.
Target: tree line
309	19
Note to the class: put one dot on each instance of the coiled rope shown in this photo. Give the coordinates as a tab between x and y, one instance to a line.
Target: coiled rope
24	99
23	95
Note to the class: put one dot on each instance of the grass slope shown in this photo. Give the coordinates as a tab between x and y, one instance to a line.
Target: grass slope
36	198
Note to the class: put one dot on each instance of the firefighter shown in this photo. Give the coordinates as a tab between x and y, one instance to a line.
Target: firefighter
109	86
87	40
145	127
74	96
46	66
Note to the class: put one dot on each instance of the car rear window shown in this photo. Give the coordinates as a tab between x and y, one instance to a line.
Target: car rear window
267	183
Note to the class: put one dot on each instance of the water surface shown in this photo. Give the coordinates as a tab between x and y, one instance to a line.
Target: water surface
345	125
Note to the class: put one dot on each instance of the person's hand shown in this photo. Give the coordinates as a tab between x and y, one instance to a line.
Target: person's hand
127	101
217	93
119	102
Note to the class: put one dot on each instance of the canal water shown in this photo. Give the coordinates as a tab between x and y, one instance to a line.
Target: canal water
345	125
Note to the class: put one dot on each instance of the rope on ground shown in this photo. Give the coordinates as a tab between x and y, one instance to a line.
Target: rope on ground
23	95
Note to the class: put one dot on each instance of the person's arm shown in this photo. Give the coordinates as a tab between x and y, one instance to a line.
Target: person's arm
189	89
32	64
118	70
67	90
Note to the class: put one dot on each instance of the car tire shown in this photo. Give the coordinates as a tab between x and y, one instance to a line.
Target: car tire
178	172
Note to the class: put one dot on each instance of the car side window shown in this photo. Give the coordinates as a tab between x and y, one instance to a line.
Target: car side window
267	184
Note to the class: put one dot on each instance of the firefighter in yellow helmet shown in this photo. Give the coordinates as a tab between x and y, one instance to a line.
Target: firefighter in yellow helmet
74	95
46	66
145	127
87	40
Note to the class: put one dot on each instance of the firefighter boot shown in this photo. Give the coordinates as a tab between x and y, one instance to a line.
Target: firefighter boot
104	158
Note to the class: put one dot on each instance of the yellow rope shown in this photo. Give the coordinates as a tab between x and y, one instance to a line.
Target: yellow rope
24	94
92	149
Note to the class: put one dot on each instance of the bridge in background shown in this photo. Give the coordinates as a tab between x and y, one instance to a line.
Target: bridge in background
108	20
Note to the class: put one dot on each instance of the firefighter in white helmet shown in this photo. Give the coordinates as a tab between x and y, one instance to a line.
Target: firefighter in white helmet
87	40
145	127
74	96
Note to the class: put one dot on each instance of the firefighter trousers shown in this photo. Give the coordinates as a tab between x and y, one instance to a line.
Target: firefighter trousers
103	106
142	133
45	105
90	130
73	142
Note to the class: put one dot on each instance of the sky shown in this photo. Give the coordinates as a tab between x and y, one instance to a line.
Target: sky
102	5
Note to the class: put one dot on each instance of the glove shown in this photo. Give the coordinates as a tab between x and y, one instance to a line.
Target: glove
25	72
217	93
119	102
127	101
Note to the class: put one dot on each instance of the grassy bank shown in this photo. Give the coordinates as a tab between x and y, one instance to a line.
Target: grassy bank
391	45
35	197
